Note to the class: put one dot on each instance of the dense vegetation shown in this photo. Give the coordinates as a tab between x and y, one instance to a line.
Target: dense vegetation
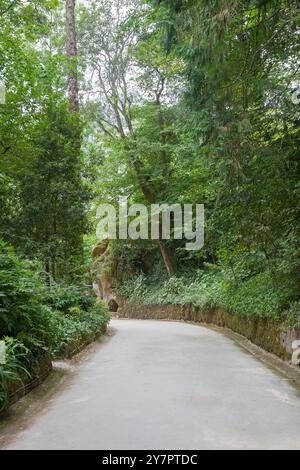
37	319
205	115
46	302
183	101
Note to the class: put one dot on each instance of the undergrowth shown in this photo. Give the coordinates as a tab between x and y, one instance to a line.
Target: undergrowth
38	319
257	295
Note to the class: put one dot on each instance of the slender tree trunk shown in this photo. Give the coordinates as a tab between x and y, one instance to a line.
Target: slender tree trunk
147	191
73	89
166	257
72	57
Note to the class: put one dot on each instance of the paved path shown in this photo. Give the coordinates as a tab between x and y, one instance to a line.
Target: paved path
160	385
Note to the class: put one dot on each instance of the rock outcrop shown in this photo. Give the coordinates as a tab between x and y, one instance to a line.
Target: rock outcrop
104	269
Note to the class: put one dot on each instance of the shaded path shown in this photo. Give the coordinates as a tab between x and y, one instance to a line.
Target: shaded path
161	385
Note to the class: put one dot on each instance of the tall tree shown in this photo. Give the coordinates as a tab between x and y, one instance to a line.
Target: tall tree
42	196
109	41
72	57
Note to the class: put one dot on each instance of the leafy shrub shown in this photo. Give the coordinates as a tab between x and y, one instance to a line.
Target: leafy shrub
29	308
294	314
36	318
63	298
76	328
21	309
257	295
18	359
76	317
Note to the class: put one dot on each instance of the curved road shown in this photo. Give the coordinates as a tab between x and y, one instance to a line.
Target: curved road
161	385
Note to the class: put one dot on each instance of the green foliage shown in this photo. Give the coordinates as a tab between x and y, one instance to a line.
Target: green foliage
255	296
64	298
27	303
236	151
76	319
43	196
77	328
36	318
17	363
53	196
21	310
187	102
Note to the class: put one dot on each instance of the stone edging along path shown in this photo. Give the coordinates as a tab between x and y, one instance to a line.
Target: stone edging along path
39	372
275	338
43	368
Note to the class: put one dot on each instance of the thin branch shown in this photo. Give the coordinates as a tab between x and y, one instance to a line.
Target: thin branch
12	4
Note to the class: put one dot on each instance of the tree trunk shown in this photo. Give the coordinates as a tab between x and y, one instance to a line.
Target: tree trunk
166	258
73	89
144	185
72	57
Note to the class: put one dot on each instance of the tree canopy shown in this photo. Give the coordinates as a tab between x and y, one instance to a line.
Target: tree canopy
161	102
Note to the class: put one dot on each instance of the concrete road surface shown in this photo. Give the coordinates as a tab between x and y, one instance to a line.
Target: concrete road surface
162	385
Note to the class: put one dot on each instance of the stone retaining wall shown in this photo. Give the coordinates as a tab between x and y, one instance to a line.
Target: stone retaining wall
39	372
273	337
